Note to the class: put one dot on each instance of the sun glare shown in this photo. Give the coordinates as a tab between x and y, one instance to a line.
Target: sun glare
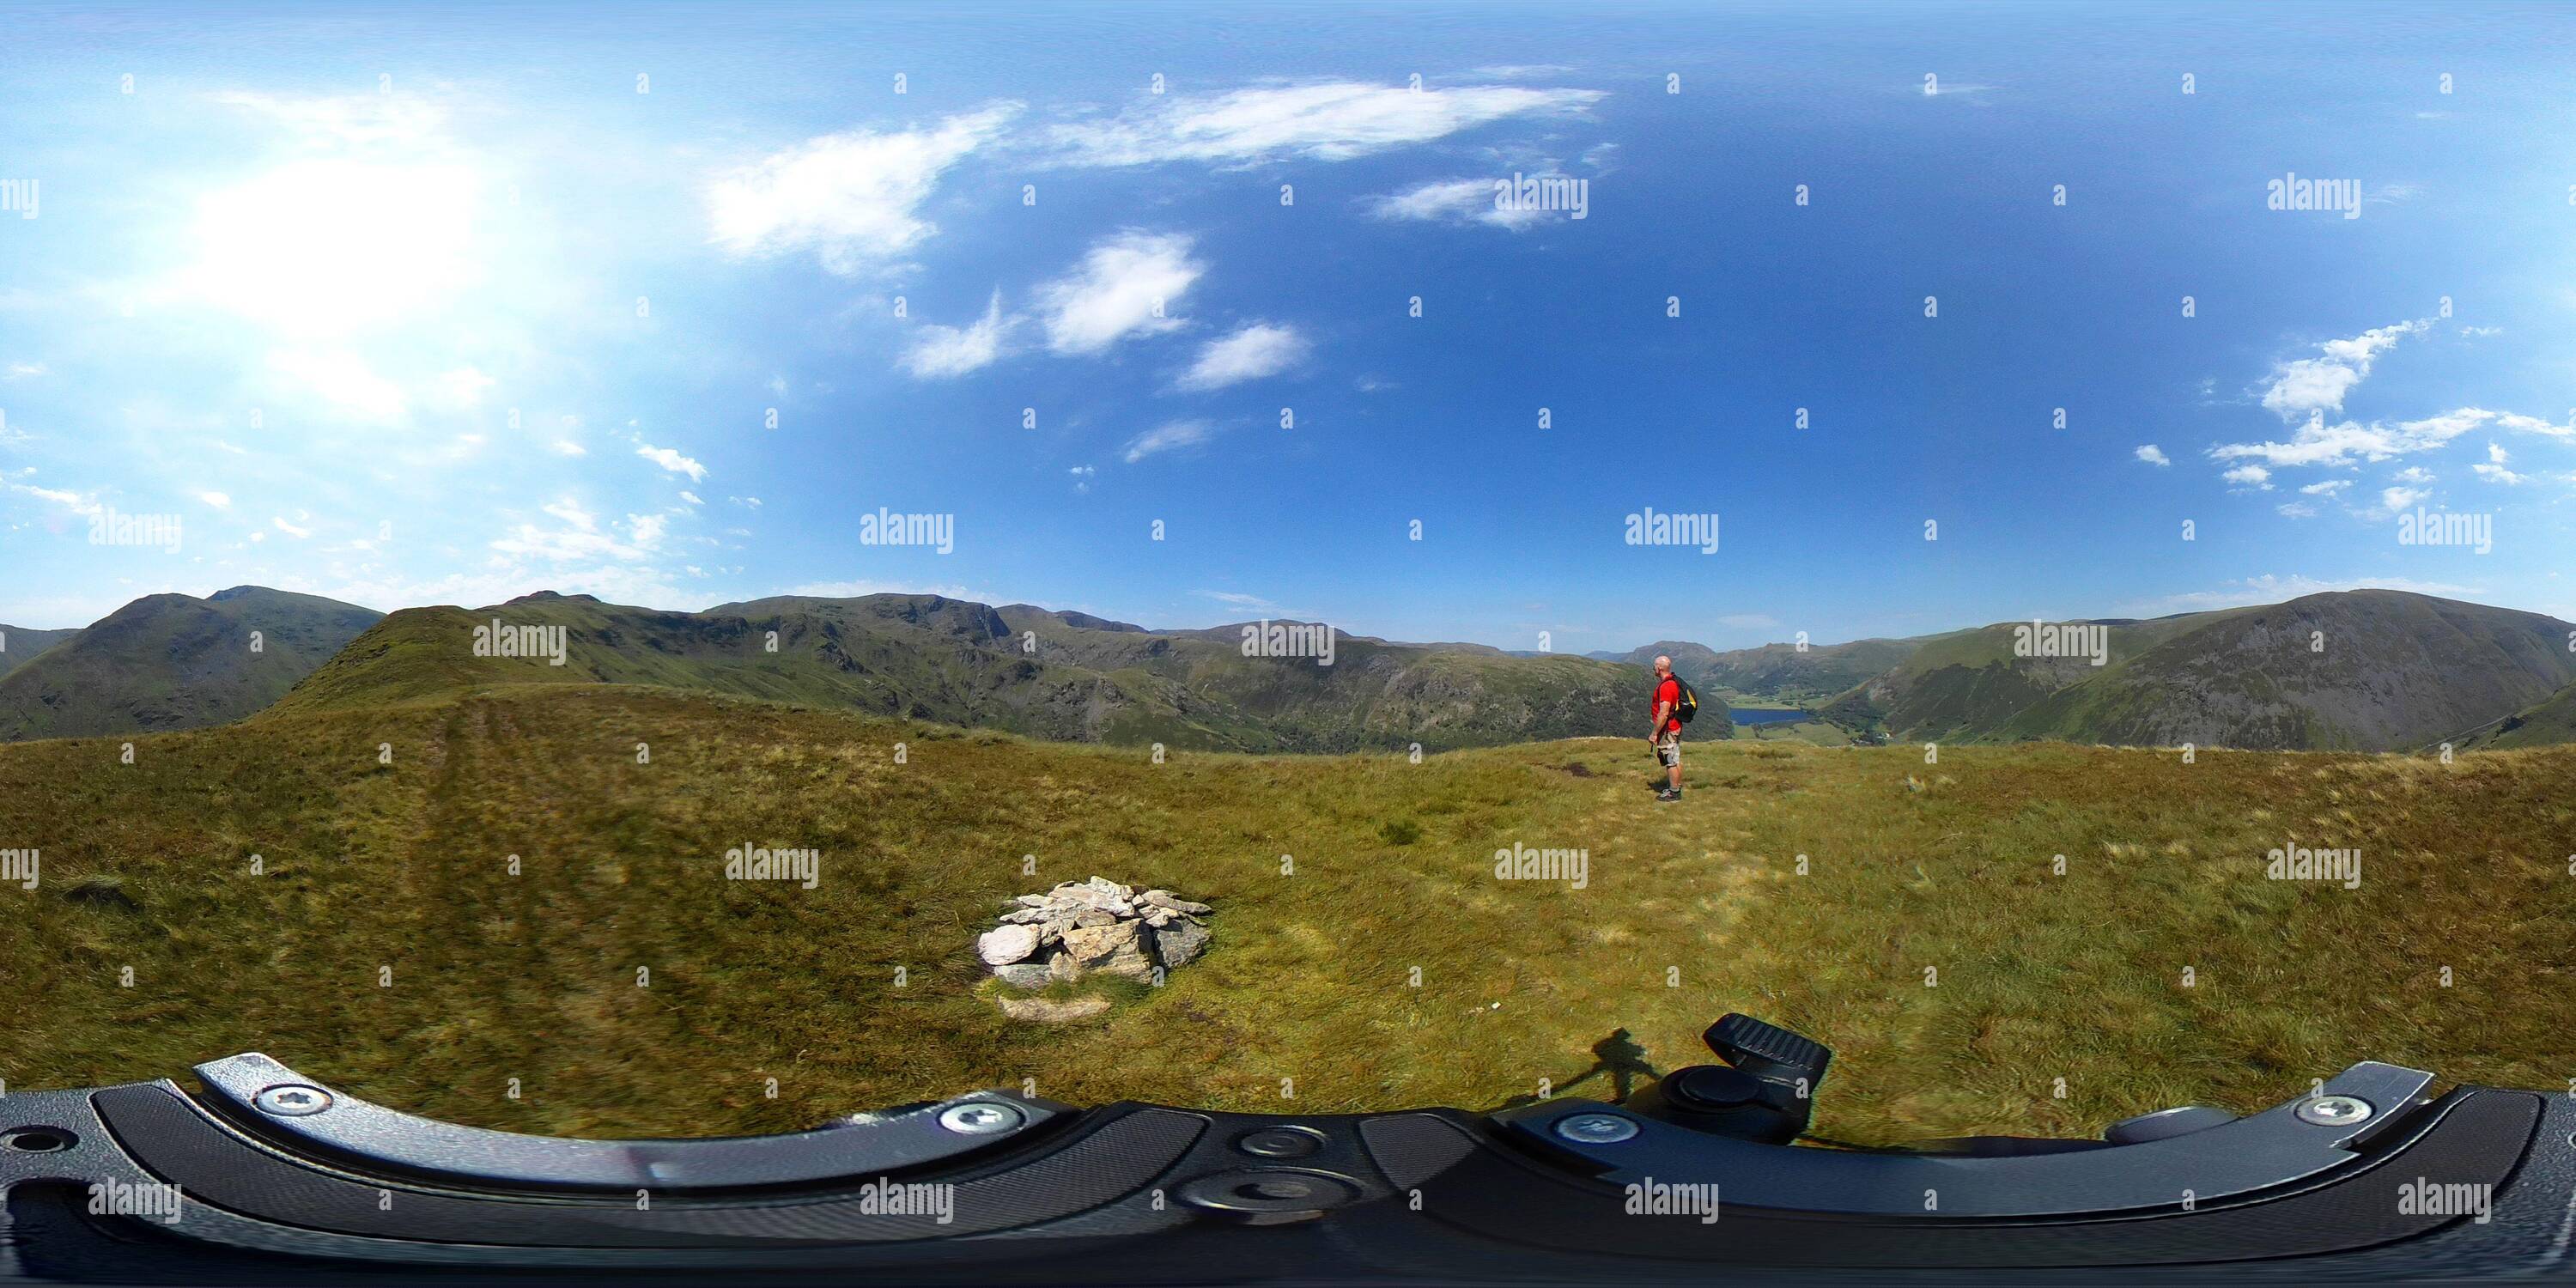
330	245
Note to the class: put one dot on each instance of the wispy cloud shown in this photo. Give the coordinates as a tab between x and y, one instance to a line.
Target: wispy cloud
853	199
1126	285
941	352
2319	443
1463	201
2305	385
1319	121
1259	349
673	461
1238	599
2153	455
1165	437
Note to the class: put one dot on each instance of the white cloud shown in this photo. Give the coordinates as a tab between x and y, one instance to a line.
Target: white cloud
567	447
2328	488
2496	453
939	352
22	370
2317	443
2253	476
1259	349
1238	599
1125	286
1456	201
2319	384
1082	475
690	497
579	538
2413	474
2297	509
216	499
2153	455
673	461
2398	498
72	501
1325	121
646	529
288	528
570	512
854	199
2496	474
1163	438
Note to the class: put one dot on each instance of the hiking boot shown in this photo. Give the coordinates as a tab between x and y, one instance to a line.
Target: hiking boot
1668	794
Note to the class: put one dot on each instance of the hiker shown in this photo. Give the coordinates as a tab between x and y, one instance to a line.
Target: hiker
1667	736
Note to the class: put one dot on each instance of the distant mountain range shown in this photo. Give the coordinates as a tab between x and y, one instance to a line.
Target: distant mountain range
1065	676
172	662
2371	670
2363	670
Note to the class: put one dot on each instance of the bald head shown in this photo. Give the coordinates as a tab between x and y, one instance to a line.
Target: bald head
1663	665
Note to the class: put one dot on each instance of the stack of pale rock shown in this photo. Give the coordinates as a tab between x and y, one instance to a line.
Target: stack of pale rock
1094	927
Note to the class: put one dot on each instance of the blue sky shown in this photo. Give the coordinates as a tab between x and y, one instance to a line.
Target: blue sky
406	306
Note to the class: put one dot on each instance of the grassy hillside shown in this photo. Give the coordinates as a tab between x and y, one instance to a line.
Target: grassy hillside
176	662
533	976
2548	722
1059	676
19	646
2371	670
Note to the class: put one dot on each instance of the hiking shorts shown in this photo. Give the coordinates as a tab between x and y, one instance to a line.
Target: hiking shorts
1668	749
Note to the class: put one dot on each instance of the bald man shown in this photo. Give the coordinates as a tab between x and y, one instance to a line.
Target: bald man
1666	738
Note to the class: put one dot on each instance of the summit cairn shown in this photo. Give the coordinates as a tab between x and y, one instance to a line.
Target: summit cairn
1093	928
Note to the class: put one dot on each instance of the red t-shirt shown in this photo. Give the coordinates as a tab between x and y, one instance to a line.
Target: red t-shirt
1667	695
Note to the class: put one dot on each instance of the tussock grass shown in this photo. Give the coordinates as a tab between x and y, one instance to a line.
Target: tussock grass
1690	910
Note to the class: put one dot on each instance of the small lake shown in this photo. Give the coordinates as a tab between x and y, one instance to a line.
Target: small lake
1766	715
